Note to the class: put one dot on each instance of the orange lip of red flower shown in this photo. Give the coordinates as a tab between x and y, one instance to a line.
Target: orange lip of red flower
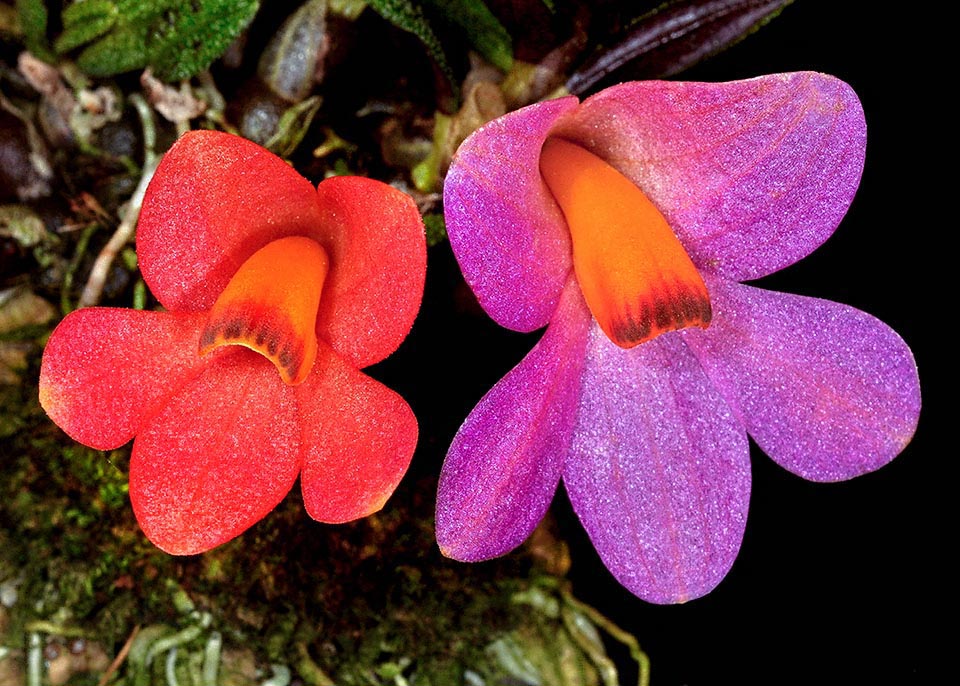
270	306
636	277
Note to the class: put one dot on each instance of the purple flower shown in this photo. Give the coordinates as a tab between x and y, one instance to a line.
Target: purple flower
657	362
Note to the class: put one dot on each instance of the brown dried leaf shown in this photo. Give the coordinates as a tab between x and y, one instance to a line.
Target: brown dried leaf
175	105
20	308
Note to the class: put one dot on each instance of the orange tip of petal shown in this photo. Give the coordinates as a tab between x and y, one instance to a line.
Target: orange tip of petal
270	306
635	275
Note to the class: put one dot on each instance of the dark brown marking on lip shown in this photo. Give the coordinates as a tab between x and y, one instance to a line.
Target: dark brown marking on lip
665	310
233	329
208	337
262	337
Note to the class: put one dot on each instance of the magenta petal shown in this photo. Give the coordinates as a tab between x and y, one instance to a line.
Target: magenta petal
829	392
504	465
506	230
659	470
752	175
219	456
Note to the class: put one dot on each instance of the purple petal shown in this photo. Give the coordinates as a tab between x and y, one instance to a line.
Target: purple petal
752	175
826	390
659	470
504	464
507	232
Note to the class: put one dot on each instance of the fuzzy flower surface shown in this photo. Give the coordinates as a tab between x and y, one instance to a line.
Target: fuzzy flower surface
276	294
625	225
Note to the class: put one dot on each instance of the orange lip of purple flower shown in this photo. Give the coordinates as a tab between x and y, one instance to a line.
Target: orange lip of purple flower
270	306
636	277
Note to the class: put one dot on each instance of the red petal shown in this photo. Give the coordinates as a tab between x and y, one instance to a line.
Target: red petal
105	371
214	200
378	259
219	456
359	437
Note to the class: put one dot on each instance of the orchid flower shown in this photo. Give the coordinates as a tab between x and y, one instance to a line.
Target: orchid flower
276	293
625	224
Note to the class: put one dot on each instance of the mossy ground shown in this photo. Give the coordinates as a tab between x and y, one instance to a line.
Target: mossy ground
371	602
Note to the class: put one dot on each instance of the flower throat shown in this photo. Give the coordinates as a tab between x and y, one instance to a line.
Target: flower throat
636	277
270	306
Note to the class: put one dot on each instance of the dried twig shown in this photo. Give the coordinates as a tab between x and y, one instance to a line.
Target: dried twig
121	656
125	231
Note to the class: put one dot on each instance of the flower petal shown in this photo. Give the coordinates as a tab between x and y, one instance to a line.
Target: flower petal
106	370
504	465
508	234
378	259
659	470
219	456
829	392
751	175
358	439
214	200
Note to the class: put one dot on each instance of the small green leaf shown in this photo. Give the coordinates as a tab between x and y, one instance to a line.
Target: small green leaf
114	53
482	28
84	22
293	126
348	9
435	228
22	224
33	22
408	15
196	38
176	39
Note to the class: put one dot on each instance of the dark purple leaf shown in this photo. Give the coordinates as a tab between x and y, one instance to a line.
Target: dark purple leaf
676	36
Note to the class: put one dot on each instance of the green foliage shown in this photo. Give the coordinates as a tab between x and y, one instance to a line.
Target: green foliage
409	16
482	29
293	126
33	21
85	21
436	228
175	39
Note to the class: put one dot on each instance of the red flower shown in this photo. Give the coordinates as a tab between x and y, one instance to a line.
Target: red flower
277	293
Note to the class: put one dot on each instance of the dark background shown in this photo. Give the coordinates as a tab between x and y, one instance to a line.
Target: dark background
835	583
